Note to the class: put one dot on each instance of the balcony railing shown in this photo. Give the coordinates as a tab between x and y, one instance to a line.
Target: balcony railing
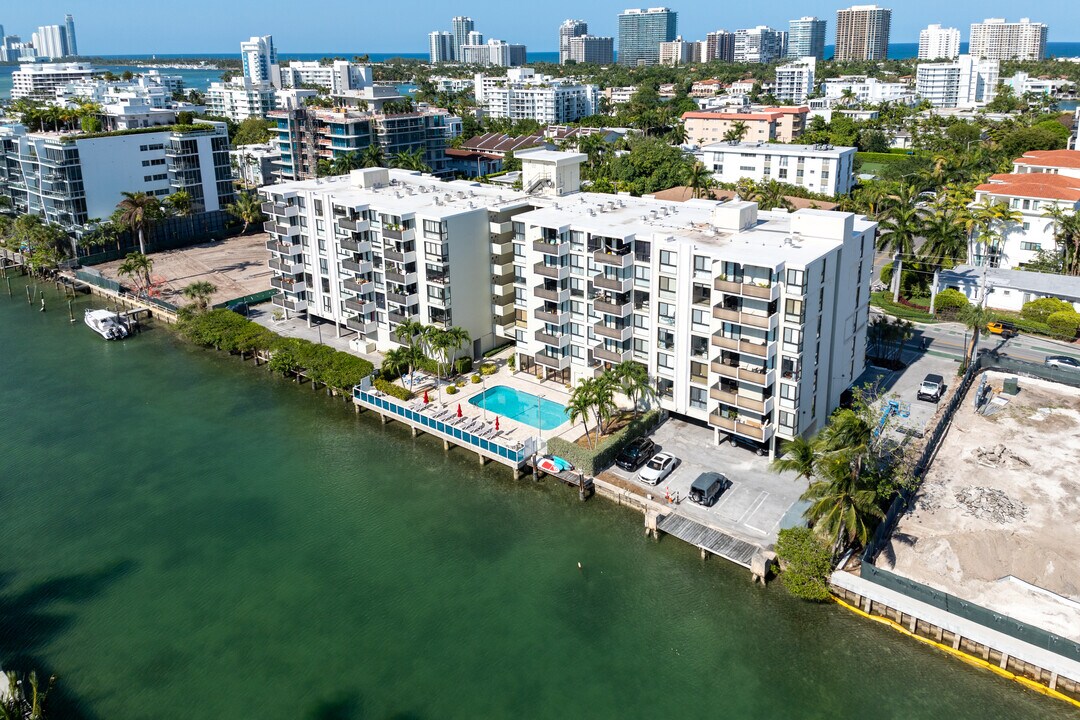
554	295
621	259
559	341
289	304
547	248
613	307
555	318
615	284
615	333
557	272
744	318
360	287
555	362
748	289
600	352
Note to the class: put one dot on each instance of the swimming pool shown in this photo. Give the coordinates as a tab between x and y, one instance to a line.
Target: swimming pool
521	406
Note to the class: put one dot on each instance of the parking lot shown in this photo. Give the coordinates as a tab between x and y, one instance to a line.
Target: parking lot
754	508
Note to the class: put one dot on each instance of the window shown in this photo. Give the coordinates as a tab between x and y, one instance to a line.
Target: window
699	372
641	347
434	229
699	347
1035	247
793	310
792	339
577	329
698	398
668	286
702	265
702	294
667	314
437	251
787	420
700	319
640	321
795	281
667	258
641	275
667	362
323	270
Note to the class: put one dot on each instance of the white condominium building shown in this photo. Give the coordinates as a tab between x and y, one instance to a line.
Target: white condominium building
339	77
679	52
567	31
441	47
524	95
495	52
938	43
753	323
50	41
40	80
240	99
818	168
861	89
71	178
965	83
996	39
154	89
760	44
260	60
795	80
806	38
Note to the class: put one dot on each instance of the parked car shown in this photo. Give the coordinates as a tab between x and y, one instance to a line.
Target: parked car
1004	329
635	454
1062	361
708	487
932	388
658	468
759	448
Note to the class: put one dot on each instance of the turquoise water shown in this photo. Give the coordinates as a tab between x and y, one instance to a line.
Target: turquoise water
184	536
521	406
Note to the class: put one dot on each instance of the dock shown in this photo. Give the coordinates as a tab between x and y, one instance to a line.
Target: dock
585	486
709	540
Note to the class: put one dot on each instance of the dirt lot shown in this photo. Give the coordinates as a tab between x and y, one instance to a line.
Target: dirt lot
236	266
997	521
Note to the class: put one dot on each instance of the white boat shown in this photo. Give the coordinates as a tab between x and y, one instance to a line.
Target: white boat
107	324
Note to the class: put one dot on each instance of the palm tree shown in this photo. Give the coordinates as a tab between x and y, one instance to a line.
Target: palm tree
374	156
945	238
747	190
770	195
344	164
180	203
842	507
456	338
699	179
992	220
975	316
247	208
200	293
633	381
1067	236
736	133
410	333
137	212
578	408
800	456
677	134
848	97
395	362
17	703
137	267
900	226
412	160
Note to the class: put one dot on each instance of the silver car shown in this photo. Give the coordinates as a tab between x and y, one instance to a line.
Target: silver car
658	468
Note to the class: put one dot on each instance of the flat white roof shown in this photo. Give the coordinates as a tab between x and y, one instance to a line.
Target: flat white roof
780	149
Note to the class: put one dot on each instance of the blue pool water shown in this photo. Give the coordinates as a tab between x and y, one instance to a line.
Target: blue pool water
521	406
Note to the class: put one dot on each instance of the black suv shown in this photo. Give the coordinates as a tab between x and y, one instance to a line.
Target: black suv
635	454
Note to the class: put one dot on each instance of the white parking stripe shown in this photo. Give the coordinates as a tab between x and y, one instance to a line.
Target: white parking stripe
753	506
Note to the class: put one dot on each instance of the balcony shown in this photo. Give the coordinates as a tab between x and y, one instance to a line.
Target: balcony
766	322
353	225
740	345
395	256
559	341
769	292
284	302
503	258
728	397
557	249
356	246
555	272
288	267
611	306
504	278
496	228
600	352
360	287
438	278
621	334
360	268
621	259
408	300
615	284
289	286
554	295
367	327
281	230
392	234
363	307
398	318
555	362
396	277
286	249
559	317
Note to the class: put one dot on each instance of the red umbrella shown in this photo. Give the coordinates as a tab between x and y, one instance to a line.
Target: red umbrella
459	409
496	422
426	398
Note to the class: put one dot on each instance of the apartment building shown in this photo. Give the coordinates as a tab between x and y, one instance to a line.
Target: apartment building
862	33
260	61
865	90
50	41
1041	180
567	31
795	80
494	52
339	77
592	50
720	46
965	83
754	323
642	31
71	178
996	39
307	135
938	43
806	38
760	44
782	124
373	249
818	168
240	98
255	165
153	88
440	47
41	80
524	95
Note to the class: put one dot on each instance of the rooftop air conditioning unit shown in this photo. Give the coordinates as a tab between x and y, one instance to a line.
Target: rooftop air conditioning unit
438	201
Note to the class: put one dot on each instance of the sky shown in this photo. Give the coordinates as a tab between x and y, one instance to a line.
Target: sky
113	27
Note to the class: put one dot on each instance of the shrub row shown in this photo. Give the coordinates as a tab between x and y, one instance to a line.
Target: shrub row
226	331
884	301
385	386
461	366
593	460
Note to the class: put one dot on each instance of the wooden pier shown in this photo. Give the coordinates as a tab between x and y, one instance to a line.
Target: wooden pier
575	479
708	539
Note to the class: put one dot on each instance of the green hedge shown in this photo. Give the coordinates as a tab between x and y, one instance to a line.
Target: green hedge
592	461
884	301
462	365
496	350
180	129
389	388
881	158
227	331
